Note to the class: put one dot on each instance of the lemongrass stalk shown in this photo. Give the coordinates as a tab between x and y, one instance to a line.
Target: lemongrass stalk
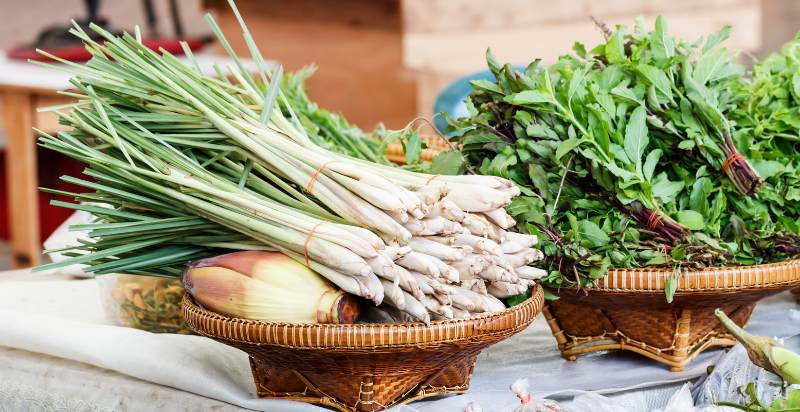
416	309
420	263
459	313
318	249
437	308
280	214
395	251
356	285
379	198
447	272
510	246
383	267
471	266
407	282
436	249
460	299
492	303
428	284
497	273
424	286
500	218
448	210
478	244
523	258
505	289
530	273
393	295
342	201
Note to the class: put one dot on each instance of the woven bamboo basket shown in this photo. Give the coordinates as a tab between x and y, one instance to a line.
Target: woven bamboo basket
362	367
434	143
627	310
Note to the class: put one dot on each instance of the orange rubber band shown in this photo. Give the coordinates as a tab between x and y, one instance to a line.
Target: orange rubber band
729	161
430	179
308	240
654	220
313	180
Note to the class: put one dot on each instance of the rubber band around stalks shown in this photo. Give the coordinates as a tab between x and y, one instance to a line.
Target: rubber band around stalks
315	176
431	179
654	219
729	161
308	240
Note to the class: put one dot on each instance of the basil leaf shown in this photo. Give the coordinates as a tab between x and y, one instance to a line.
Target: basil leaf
691	219
591	234
636	138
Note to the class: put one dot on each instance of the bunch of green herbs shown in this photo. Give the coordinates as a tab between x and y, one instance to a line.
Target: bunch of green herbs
631	154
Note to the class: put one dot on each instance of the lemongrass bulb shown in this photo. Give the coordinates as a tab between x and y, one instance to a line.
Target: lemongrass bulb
416	309
512	246
461	300
523	258
408	282
446	271
530	273
529	240
478	199
476	285
496	273
493	304
448	210
429	195
421	263
267	286
500	218
393	294
445	240
478	244
505	289
460	313
471	266
437	308
383	267
436	249
477	225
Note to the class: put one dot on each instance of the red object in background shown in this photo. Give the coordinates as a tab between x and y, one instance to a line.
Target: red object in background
78	53
52	165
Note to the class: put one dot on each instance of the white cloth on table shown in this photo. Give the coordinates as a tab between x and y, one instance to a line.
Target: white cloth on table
64	319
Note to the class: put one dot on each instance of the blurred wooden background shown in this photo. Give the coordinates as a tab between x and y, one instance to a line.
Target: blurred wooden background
386	60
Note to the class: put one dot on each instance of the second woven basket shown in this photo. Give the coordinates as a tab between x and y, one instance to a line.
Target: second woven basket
627	310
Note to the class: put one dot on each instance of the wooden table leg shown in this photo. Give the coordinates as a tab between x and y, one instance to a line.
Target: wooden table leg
23	202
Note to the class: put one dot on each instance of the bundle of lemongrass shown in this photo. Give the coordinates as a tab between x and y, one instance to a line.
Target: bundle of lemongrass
186	166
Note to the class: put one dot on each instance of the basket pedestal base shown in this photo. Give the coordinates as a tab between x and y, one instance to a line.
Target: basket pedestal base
356	392
672	336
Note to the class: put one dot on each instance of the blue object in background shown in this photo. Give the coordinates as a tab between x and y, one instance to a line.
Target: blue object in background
451	99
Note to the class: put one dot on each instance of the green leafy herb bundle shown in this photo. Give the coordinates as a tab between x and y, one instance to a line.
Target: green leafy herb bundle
630	155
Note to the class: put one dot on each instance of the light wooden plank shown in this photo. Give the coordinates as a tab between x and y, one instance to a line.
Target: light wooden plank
459	53
22	180
426	16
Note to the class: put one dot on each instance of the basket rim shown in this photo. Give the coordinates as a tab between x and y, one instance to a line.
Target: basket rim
723	278
360	335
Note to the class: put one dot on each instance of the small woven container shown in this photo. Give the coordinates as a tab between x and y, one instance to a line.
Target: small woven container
363	367
435	144
627	310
